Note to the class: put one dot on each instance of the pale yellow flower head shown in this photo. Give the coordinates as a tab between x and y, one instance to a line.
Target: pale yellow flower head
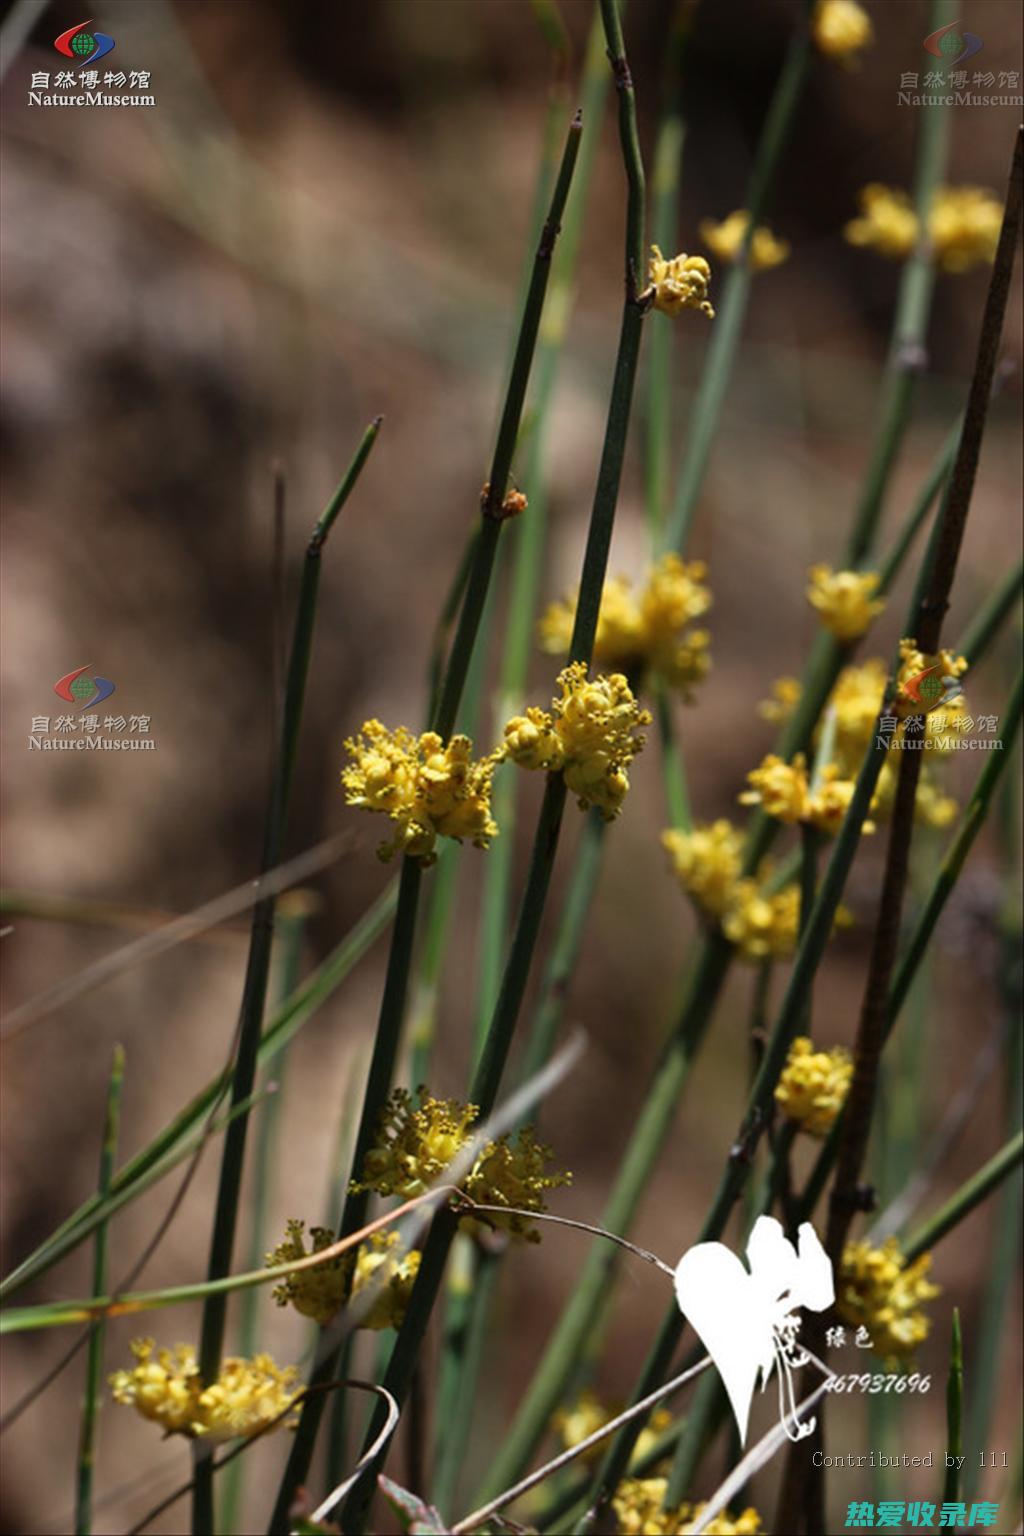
785	696
639	1511
762	926
384	1275
779	788
841	28
680	283
164	1386
648	630
707	862
726	239
813	1086
856	700
317	1293
428	788
845	601
414	1147
828	801
591	736
887	222
964	226
877	1289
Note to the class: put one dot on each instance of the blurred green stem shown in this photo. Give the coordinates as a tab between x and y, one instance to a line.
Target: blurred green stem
954	1412
254	994
97	1332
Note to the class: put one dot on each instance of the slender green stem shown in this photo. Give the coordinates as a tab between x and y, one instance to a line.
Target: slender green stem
293	908
393	1003
94	1357
673	769
473	1275
907	354
530	531
707	406
989	620
257	970
954	1412
891	563
970	1194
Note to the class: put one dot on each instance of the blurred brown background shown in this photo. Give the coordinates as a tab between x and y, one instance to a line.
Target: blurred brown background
324	217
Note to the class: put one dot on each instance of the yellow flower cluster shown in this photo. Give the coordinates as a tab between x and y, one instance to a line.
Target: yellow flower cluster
707	862
963	225
840	29
319	1293
590	736
588	1414
415	1146
427	788
679	283
639	1512
783	791
165	1387
762	924
813	1086
855	702
878	1290
726	239
845	601
637	632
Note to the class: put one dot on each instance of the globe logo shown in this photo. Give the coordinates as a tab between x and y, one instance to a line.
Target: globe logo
930	690
83	43
952	45
83	687
79	43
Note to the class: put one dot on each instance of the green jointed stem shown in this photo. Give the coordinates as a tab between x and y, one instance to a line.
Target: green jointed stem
94	1356
257	970
529	533
907	348
970	1194
721	356
889	566
989	620
385	1049
473	1274
293	908
487	1076
954	1412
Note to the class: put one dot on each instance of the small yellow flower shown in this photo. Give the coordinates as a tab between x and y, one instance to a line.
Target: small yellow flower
840	29
246	1396
780	788
877	1289
726	239
427	787
707	862
646	631
317	1293
414	1147
932	807
680	283
813	1086
887	223
845	600
786	693
856	700
388	1276
964	226
619	641
762	926
923	679
829	800
639	1511
595	725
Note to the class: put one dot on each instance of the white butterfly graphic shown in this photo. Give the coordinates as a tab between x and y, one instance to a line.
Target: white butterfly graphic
747	1320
